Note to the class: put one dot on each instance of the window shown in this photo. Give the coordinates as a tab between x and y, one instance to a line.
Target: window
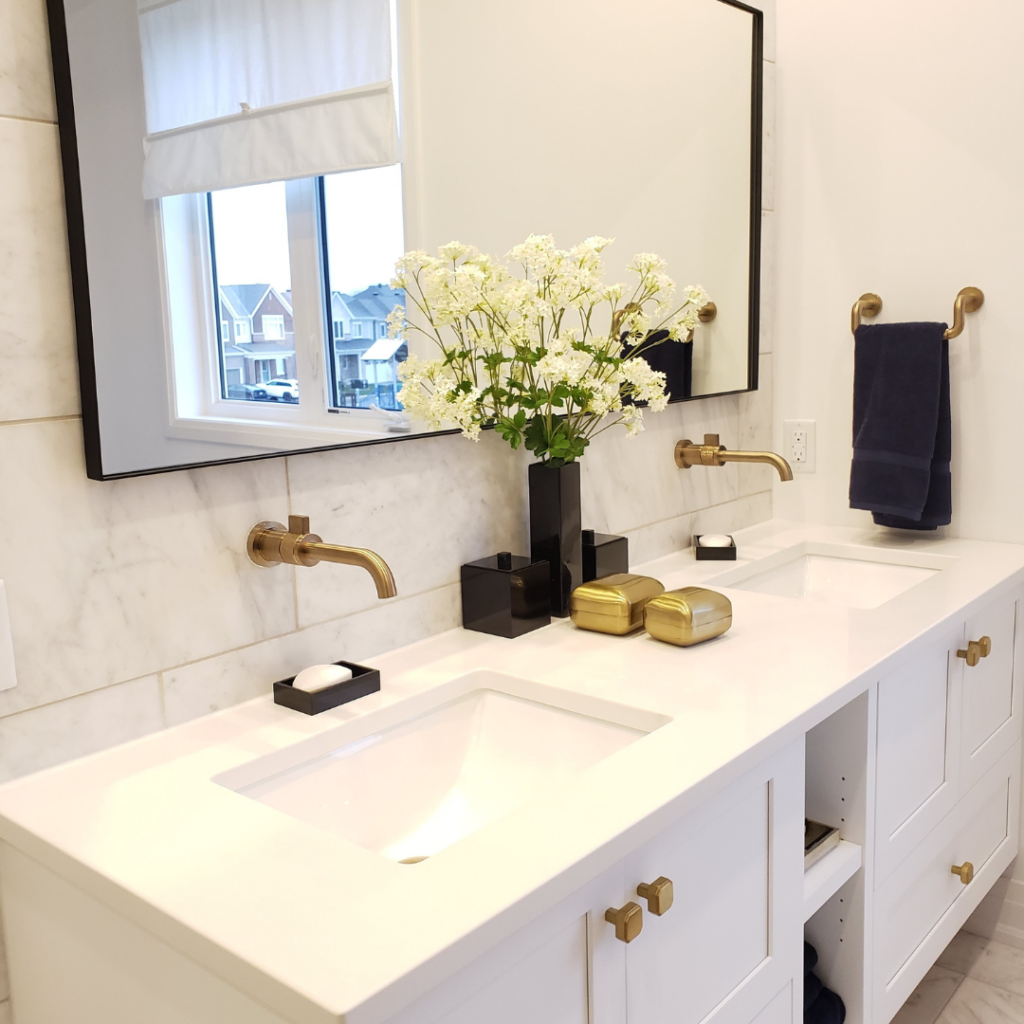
250	240
251	264
365	235
273	328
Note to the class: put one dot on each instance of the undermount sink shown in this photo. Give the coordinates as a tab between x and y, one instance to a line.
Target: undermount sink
411	779
836	574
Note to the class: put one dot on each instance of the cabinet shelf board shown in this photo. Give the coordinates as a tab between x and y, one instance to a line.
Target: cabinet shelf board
824	879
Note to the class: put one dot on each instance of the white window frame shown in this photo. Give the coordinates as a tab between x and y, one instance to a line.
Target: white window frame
191	314
277	321
197	409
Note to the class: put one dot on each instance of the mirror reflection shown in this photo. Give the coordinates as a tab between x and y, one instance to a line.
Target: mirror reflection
250	171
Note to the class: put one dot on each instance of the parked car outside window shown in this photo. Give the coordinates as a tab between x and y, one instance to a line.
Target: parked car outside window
247	392
283	389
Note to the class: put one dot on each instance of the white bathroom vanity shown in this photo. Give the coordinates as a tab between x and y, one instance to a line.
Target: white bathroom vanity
464	846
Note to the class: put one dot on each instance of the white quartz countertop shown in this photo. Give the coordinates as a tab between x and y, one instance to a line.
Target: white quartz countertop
321	930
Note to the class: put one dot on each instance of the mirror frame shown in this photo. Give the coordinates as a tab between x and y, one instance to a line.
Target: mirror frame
80	271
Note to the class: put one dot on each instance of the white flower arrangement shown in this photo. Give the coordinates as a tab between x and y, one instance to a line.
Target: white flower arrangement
525	353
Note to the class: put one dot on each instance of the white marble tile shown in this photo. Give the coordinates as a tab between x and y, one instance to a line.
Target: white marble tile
974	1002
37	335
659	539
425	505
633	482
116	580
927	1001
766	333
80	725
220	682
26	82
768	137
5	985
986	960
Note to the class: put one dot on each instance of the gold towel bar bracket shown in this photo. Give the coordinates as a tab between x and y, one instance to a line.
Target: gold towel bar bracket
969	300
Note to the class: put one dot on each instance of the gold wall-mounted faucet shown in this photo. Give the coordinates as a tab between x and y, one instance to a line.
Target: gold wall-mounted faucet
271	544
711	453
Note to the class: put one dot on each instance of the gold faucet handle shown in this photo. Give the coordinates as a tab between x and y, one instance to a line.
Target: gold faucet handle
965	872
299	525
659	895
712	441
628	921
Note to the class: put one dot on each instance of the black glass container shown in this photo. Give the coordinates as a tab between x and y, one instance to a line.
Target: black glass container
505	595
604	554
556	527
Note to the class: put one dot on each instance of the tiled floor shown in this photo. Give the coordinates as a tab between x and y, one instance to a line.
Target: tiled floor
976	981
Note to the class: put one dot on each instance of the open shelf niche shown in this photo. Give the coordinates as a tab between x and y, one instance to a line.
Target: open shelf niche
840	778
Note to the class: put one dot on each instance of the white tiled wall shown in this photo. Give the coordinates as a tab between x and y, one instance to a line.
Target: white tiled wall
133	604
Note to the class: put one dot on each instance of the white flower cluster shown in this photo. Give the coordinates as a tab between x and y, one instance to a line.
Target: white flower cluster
525	351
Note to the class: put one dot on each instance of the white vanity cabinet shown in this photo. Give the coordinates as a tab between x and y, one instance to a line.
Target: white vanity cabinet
727	950
947	791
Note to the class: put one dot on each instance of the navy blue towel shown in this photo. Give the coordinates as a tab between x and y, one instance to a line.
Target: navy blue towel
901	425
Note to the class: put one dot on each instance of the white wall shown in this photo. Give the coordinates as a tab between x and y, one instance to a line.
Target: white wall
900	170
133	605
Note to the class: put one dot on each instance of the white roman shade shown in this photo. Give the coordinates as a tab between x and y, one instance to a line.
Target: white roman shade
240	92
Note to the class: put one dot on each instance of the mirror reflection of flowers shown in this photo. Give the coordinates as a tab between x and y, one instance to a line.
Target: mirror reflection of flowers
550	356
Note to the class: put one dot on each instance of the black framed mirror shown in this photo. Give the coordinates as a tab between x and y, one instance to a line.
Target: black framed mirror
234	208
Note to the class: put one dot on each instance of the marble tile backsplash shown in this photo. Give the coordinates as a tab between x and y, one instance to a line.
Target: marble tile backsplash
133	604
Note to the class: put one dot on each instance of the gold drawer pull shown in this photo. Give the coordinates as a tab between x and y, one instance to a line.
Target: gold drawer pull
976	650
965	872
628	921
659	895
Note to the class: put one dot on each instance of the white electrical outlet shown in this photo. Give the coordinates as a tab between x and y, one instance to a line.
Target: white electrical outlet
7	677
798	443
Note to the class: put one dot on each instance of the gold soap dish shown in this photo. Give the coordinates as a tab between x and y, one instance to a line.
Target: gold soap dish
614	604
688	616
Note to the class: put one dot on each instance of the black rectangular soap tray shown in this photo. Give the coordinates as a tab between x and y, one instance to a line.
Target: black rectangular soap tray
713	554
364	681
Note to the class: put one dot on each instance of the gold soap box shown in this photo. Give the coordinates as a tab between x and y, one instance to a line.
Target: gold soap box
688	616
613	604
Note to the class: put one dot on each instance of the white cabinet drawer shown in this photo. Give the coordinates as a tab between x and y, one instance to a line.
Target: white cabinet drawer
918	760
990	721
923	903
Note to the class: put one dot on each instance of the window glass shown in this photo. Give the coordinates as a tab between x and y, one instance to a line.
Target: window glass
252	272
365	237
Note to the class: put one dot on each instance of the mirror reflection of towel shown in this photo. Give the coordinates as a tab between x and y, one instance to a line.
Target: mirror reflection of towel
901	425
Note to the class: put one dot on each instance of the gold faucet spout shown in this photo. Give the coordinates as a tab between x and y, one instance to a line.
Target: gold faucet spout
378	569
711	453
272	543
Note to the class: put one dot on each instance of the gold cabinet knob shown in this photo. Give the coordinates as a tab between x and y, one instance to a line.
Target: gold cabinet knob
628	921
659	895
965	872
976	650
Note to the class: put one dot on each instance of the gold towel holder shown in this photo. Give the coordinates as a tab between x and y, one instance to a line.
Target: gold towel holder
968	300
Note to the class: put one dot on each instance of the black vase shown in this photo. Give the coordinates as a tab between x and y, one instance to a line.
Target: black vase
556	528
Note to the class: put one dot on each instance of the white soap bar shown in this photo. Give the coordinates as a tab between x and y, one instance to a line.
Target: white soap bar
716	540
319	677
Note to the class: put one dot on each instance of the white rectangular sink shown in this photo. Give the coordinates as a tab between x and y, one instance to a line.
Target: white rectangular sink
411	779
841	574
